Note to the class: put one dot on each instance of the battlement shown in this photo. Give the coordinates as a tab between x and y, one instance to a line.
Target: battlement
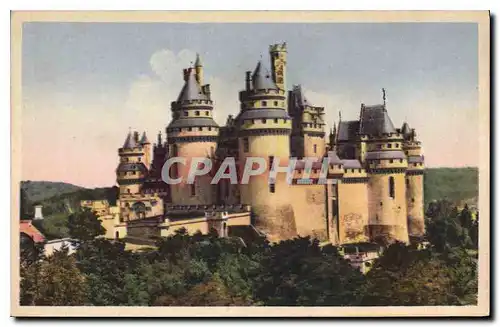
278	47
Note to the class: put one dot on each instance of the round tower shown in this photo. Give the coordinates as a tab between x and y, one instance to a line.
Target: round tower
414	183
192	133
386	164
264	127
131	170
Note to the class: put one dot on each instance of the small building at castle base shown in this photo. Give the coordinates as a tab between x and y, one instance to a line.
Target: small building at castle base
371	191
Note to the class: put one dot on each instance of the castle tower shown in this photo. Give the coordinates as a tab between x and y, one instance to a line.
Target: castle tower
386	164
414	183
131	170
308	135
278	64
144	142
263	128
192	133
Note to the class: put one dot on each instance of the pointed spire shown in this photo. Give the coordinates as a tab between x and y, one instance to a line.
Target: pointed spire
144	139
191	89
129	141
262	78
384	96
198	63
159	139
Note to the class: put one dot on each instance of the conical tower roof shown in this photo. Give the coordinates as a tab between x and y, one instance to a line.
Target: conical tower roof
144	139
191	89
129	142
406	129
262	79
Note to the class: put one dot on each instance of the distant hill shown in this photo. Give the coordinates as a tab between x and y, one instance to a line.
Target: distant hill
41	190
459	185
59	200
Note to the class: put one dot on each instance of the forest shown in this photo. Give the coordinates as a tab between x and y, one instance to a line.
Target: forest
205	270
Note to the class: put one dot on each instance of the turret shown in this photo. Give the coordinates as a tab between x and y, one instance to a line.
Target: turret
308	135
278	64
386	163
131	169
414	182
192	133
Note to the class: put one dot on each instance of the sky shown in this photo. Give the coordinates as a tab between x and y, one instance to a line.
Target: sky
85	84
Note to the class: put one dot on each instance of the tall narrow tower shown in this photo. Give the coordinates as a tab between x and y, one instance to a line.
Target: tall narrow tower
263	128
144	142
414	183
278	64
308	134
131	170
192	133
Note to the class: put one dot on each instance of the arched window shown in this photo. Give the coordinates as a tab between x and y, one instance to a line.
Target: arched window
391	187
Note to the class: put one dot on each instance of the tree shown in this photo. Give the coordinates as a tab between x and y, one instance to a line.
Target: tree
26	207
406	276
54	281
299	272
84	225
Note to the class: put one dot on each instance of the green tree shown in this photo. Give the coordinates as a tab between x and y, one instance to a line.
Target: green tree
299	272
84	225
26	206
55	281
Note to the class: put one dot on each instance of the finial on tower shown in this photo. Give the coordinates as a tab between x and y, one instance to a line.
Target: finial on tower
197	63
340	116
383	95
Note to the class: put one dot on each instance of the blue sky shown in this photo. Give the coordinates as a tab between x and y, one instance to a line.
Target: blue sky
84	84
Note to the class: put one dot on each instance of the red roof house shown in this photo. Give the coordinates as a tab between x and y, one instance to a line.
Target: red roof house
27	228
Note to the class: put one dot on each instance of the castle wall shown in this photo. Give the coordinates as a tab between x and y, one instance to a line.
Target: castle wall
309	209
353	207
310	142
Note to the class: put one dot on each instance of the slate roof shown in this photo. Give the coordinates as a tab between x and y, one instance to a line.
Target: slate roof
262	79
300	98
130	142
263	113
375	121
333	158
405	129
396	154
191	89
193	122
351	163
126	166
415	159
348	130
144	139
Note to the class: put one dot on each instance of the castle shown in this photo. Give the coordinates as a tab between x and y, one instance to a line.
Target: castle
373	190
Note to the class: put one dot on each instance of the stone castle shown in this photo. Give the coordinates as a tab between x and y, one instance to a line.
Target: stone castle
373	190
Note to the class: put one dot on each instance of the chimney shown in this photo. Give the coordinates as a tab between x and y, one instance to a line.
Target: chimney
248	80
206	90
185	73
38	212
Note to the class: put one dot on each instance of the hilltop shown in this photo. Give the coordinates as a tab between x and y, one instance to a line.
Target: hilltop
40	190
458	185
